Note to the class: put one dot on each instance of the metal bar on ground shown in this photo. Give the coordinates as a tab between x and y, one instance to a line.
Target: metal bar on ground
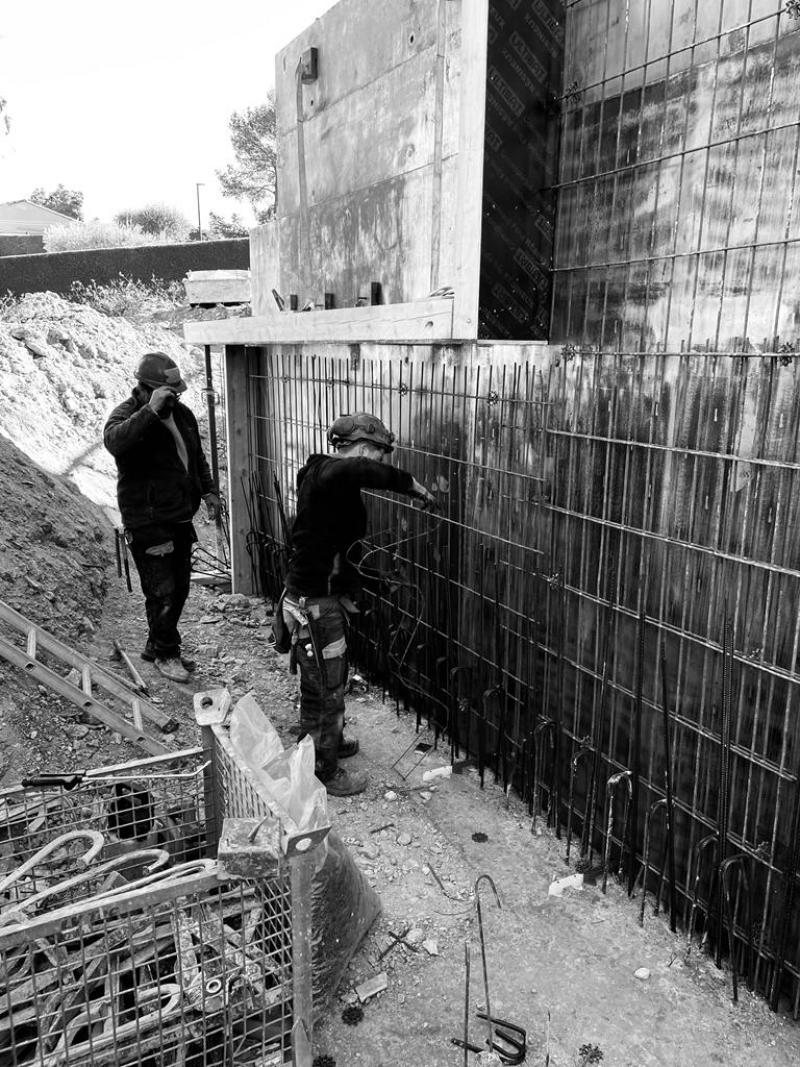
101	678
86	703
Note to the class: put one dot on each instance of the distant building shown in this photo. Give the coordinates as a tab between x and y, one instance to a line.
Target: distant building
22	226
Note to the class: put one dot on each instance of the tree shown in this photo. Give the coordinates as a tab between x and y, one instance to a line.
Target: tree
67	201
157	219
222	227
253	177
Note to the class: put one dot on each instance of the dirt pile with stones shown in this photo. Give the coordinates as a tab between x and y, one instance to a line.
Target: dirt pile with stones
63	367
55	551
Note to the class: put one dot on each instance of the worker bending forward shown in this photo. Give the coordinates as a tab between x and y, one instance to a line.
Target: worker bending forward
321	581
162	474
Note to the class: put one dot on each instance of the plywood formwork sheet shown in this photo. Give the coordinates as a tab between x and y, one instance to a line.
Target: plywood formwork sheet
522	85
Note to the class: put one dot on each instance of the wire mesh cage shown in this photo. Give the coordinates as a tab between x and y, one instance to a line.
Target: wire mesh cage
122	940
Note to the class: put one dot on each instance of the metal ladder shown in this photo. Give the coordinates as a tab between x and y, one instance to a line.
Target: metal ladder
92	675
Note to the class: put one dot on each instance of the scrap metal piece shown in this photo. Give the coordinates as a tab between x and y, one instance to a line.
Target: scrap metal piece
250	848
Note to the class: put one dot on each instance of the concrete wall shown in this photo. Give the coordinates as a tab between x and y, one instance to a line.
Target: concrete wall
265	268
56	271
366	173
20	244
423	156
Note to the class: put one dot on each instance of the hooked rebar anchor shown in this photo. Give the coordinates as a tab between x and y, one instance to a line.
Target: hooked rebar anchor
740	863
508	1040
654	808
611	788
699	851
493	692
548	727
466	1004
489	1019
455	673
583	753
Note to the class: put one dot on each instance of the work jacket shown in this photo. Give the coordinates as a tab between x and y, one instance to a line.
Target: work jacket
331	519
153	486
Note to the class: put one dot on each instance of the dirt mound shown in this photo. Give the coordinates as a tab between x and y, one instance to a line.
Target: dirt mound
55	551
55	547
63	367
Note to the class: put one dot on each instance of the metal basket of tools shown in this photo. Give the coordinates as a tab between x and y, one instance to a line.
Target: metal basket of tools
122	938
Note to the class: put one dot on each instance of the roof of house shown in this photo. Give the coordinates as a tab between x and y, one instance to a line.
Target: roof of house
25	217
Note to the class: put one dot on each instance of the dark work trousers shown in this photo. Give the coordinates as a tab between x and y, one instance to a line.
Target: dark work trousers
320	651
163	558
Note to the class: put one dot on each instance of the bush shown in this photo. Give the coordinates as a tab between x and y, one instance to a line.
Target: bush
8	306
127	297
158	220
96	235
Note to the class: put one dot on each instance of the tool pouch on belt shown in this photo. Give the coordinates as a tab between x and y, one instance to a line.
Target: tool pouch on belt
280	631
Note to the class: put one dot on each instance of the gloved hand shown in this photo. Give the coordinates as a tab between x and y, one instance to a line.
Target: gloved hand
162	400
427	501
212	506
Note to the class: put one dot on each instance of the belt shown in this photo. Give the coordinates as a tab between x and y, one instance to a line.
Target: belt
304	607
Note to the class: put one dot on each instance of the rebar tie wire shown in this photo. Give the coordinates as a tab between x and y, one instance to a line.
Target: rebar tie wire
396	660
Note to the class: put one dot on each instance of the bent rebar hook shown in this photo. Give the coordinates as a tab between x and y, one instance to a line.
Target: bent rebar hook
489	1020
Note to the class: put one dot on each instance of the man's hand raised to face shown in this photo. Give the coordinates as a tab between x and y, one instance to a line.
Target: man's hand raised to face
162	400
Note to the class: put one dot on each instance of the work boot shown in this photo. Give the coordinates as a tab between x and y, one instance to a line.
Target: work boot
172	668
341	783
348	746
149	655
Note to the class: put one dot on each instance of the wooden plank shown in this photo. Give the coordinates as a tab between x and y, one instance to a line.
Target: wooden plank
474	43
422	320
239	465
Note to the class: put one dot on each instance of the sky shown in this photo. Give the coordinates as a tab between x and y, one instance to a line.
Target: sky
128	101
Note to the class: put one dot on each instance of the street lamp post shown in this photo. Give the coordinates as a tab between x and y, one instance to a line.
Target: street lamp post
199	223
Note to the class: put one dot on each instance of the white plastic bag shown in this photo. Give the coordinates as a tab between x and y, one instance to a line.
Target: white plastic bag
295	794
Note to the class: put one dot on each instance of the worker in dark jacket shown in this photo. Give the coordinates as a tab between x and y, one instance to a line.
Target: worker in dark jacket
162	475
322	581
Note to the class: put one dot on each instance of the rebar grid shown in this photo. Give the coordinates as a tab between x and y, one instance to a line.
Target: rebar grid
677	233
680	143
580	493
